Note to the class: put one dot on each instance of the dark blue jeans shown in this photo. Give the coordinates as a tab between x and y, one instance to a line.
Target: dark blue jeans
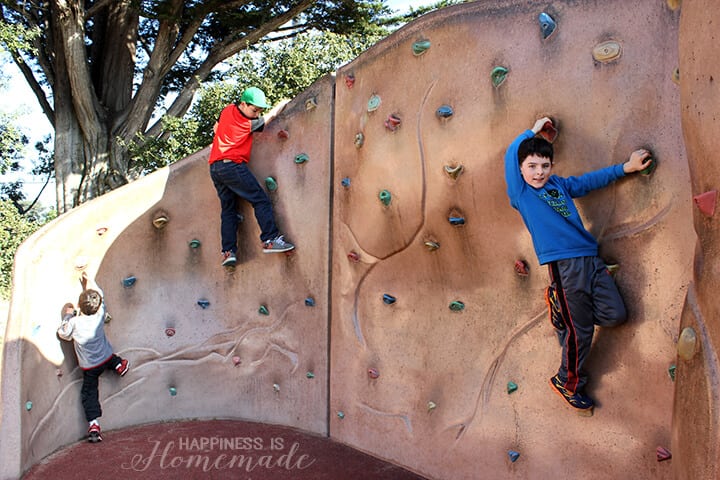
233	180
89	394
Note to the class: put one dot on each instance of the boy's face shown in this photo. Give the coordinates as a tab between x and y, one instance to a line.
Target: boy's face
250	111
535	170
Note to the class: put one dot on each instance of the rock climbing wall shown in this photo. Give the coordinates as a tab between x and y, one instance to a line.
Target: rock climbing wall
441	351
409	323
202	342
696	422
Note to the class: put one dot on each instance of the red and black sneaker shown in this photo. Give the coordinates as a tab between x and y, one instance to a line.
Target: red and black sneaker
94	433
122	367
553	303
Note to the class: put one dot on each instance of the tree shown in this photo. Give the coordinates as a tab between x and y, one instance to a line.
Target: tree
282	69
103	70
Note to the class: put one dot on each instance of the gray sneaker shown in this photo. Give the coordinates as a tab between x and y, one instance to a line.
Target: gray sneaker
277	245
229	259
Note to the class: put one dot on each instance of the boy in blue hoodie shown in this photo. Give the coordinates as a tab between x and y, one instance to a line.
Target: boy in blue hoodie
582	292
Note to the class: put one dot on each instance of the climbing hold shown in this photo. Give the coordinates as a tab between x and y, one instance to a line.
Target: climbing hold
301	158
309	302
431	406
28	405
662	454
203	303
129	281
236	360
373	373
676	76
170	331
420	47
194	243
102	231
373	103
453	172
444	111
706	202
283	134
606	52
498	76
173	391
349	80
513	455
674	4
389	299
385	197
108	317
160	221
359	139
613	269
341	415
687	343
650	168
263	310
311	103
511	387
310	375
671	372
354	257
456	221
271	184
548	132
81	263
522	268
457	306
276	387
59	372
432	246
393	122
345	182
547	25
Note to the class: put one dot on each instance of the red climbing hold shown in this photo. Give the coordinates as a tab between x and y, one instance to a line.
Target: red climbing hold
522	268
354	257
349	80
283	134
548	132
393	122
706	202
663	454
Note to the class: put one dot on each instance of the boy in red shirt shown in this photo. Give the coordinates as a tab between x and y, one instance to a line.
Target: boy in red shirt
229	157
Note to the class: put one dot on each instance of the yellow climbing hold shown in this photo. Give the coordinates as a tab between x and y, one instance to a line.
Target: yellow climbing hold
606	52
687	343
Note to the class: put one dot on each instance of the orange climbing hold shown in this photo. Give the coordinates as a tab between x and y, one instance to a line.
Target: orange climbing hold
706	202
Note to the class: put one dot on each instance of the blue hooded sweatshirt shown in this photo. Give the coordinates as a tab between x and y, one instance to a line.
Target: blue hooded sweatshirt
549	213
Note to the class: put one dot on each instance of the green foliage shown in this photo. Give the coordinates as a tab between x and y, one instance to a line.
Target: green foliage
12	144
282	69
14	229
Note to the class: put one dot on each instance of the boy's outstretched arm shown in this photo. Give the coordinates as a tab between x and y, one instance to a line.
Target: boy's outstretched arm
276	110
640	159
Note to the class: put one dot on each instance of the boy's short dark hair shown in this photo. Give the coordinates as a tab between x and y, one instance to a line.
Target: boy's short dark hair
89	301
535	146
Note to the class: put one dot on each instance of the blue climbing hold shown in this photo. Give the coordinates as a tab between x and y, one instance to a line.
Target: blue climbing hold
310	302
456	221
203	303
129	282
389	299
547	24
346	182
513	455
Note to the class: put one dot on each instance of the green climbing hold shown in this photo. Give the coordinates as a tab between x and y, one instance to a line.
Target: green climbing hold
310	375
457	306
194	243
263	310
271	184
173	391
341	415
373	103
385	197
420	47
301	158
28	405
453	172
650	168
498	76
671	372
511	387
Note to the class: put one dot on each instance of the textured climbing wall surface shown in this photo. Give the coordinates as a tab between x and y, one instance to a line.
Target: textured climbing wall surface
425	340
696	421
198	343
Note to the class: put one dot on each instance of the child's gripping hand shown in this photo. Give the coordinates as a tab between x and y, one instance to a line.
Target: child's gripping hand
639	160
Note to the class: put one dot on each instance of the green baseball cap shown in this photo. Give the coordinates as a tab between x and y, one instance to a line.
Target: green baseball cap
254	96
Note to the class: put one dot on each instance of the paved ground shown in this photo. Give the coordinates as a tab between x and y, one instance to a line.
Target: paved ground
214	450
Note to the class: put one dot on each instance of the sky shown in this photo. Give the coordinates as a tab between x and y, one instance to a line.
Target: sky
21	101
